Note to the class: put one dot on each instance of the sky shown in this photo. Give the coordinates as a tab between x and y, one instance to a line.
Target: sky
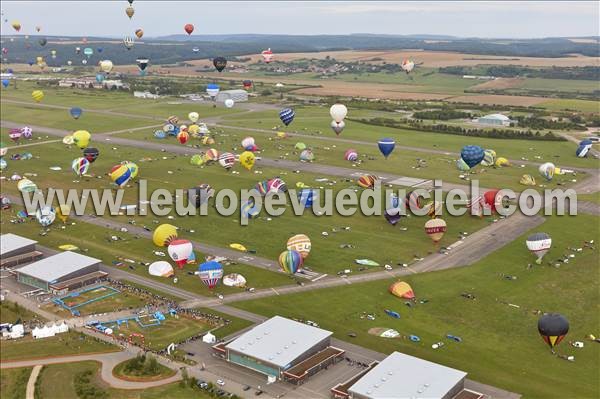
493	19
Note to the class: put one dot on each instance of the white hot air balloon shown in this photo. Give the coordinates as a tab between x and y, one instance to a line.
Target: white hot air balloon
193	116
539	244
229	103
338	112
161	269
106	66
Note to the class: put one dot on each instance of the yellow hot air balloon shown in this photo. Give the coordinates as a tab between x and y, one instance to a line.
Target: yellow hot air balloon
402	289
39	60
37	95
164	234
63	212
193	130
16	25
247	159
435	229
53	53
139	33
106	66
500	162
129	11
81	138
300	243
193	116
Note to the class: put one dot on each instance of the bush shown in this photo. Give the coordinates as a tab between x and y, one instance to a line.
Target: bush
84	387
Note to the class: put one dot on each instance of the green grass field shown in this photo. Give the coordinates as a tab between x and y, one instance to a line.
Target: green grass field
568	104
70	343
501	345
11	312
173	329
13	382
66	373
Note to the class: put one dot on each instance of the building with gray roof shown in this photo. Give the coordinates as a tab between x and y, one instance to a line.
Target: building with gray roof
12	245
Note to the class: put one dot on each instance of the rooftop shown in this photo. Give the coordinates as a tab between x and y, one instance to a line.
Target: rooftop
54	267
404	376
278	341
12	242
497	116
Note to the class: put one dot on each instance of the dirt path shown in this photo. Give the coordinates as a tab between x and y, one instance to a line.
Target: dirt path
30	390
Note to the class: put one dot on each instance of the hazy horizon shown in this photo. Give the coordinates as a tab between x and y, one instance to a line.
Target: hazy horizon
509	20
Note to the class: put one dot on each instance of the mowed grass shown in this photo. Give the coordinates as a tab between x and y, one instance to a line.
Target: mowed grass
70	343
501	345
172	329
13	382
561	85
371	236
65	373
235	324
316	120
120	301
61	119
571	104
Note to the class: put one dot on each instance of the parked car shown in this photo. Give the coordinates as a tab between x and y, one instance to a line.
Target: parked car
259	392
246	388
220	382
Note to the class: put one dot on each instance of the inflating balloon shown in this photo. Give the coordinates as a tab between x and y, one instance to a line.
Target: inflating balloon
193	116
489	158
539	244
226	160
300	243
37	95
247	159
367	181
164	234
180	250
307	156
290	261
472	155
584	147
210	273
91	154
402	289
183	137
45	216
553	328
120	175
80	166
351	155
287	115
75	112
81	138
435	229
547	170
161	269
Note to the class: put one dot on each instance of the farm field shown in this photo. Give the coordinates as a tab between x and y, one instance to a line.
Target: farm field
13	382
70	343
502	337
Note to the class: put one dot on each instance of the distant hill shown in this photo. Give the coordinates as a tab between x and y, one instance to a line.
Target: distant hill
175	48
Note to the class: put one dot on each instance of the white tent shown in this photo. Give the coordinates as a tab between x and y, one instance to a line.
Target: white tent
209	338
43	332
14	331
61	328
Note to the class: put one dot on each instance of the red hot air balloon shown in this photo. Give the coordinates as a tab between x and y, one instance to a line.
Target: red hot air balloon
189	28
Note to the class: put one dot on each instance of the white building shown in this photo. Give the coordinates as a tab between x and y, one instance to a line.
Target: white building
145	94
209	338
494	120
49	331
13	331
236	95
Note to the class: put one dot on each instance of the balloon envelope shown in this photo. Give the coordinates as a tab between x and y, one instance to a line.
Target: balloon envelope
180	250
290	261
553	327
300	243
402	289
472	155
210	273
338	112
539	244
75	112
164	234
287	115
386	146
161	269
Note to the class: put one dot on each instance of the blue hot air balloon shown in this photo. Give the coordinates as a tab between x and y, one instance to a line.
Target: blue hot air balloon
287	115
386	146
472	155
99	77
210	273
307	196
30	62
5	82
10	71
212	89
75	112
584	147
99	49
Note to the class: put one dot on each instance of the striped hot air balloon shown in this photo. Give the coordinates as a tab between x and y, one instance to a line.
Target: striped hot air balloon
180	250
547	170
262	187
287	116
80	166
27	132
211	155
276	185
226	160
300	243
367	181
351	155
402	289
307	155
164	234
37	95
120	175
15	134
435	229
290	261
210	273
489	157
539	244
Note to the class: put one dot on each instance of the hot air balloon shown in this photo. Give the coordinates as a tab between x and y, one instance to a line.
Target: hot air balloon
210	273
502	162
220	63
338	127
189	28
99	77
26	186
351	155
553	327
26	132
197	160
407	66
234	280
462	166
142	63
120	175
37	95
435	229
307	156
139	33
3	149
276	185
212	89
402	289
16	25
527	180
247	159
367	181
338	112
80	166
183	137
81	138
196	49
75	112
3	164
267	55
164	234
129	11
287	115
472	155
584	147
128	42
290	261
77	50
5	82
226	160
229	103
193	116
249	144
392	215
161	269
15	134
539	244
489	157
249	210
547	170
211	155
180	250
45	216
63	212
91	154
300	243
88	52
386	146
247	84
207	140
200	195
53	54
262	187
106	66
42	41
